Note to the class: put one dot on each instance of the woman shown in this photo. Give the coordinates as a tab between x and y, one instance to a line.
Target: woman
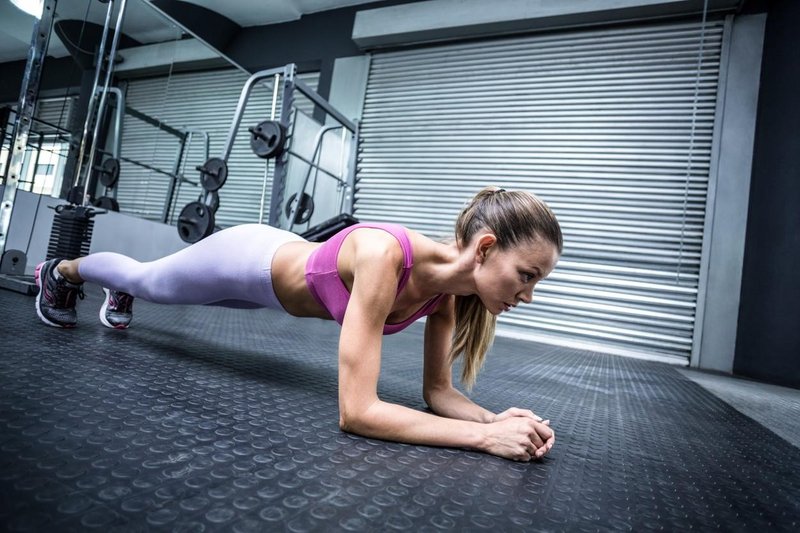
373	279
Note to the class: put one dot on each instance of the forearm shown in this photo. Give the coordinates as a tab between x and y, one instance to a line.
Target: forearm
394	422
450	403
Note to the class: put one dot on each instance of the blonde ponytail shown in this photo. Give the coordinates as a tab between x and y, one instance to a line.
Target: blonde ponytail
473	336
514	217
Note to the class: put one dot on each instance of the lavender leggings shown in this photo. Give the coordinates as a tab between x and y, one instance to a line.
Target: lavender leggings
231	268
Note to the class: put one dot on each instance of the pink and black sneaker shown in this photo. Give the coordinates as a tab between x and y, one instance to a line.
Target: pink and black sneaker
55	303
117	309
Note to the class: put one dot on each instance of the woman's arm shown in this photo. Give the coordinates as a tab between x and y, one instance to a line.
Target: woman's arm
437	385
360	409
438	390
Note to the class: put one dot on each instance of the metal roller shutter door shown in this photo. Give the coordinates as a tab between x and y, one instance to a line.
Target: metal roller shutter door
203	101
603	125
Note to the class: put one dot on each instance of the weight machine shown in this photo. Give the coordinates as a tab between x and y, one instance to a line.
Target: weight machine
274	139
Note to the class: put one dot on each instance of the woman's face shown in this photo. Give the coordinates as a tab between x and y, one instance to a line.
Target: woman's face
504	278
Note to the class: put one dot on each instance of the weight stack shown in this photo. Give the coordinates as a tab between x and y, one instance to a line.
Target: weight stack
71	234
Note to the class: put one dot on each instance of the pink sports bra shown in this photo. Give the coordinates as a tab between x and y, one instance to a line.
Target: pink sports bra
327	288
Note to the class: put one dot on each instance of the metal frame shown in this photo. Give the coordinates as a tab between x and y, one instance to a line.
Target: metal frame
102	107
281	168
281	164
184	140
242	103
291	84
5	118
275	81
42	28
179	177
313	164
91	112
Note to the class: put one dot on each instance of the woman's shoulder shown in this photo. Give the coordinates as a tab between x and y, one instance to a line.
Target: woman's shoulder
396	241
373	246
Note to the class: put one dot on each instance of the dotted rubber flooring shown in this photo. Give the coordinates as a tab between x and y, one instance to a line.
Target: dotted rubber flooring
209	419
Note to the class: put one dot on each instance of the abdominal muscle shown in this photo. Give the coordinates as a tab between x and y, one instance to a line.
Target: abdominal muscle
289	280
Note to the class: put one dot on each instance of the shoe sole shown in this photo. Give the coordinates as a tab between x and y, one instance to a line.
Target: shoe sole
103	309
37	277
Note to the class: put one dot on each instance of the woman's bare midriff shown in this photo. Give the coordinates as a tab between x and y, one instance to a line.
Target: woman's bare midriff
289	283
289	280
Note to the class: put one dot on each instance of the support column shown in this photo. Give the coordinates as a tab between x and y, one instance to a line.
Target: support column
26	106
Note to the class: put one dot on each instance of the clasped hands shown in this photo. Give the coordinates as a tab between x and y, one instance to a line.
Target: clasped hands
519	434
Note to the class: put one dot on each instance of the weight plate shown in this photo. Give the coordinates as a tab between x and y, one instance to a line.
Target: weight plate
213	174
107	203
268	139
304	211
110	172
195	222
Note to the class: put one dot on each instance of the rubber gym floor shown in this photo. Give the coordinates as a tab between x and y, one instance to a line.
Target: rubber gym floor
211	419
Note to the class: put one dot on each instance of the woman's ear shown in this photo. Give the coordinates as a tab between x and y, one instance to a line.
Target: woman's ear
483	243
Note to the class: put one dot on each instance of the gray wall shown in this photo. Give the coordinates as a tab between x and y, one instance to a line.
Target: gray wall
726	208
768	343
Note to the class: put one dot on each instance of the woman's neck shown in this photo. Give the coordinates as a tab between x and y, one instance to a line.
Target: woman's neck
445	269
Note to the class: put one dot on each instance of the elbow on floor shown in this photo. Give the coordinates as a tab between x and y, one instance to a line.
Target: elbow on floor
358	424
427	397
348	424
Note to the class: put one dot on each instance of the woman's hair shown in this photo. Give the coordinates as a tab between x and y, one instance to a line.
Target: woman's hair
514	217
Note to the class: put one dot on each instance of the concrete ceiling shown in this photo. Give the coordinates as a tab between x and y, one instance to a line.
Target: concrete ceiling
144	24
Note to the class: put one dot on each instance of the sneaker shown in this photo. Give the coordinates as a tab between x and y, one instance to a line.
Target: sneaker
55	303
117	310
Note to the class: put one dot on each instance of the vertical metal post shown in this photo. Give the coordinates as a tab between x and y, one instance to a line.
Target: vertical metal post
7	164
25	108
176	169
102	107
275	81
90	110
279	174
119	111
341	187
5	113
351	172
36	161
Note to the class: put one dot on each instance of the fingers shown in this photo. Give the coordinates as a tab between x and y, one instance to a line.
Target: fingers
535	438
543	439
525	438
526	412
531	451
539	435
541	452
516	411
